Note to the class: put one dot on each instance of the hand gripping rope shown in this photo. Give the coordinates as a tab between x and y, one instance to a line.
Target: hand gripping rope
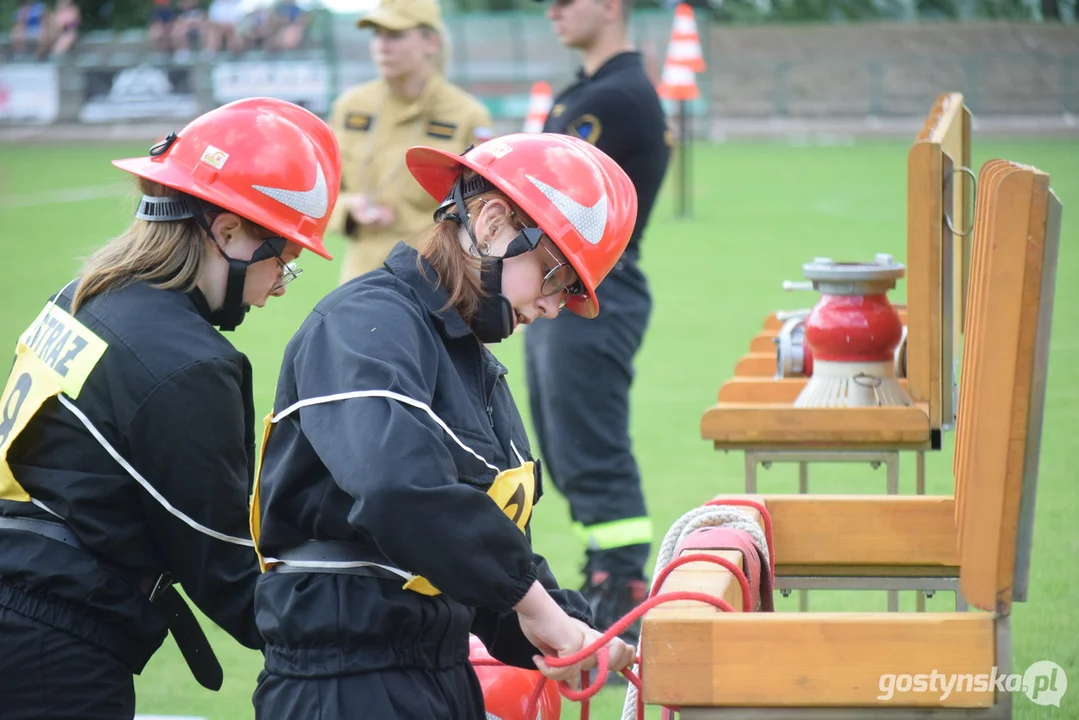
715	513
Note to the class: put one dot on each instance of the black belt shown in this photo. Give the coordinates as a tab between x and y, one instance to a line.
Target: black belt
182	623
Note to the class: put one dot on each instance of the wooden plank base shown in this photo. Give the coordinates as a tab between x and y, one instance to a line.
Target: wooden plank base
863	530
743	426
813	659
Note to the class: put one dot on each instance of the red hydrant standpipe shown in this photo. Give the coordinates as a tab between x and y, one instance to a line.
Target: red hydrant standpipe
852	334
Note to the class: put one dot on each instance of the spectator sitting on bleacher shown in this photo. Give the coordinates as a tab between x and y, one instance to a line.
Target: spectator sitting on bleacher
30	26
160	29
64	26
221	32
290	22
188	29
257	26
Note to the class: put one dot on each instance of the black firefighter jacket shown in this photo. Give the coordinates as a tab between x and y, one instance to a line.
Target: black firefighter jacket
385	477
173	398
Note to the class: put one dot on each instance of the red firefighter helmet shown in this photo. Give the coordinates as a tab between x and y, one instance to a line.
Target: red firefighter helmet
581	199
267	160
507	690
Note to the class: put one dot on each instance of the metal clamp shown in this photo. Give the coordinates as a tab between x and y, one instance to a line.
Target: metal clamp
901	355
789	285
790	348
974	196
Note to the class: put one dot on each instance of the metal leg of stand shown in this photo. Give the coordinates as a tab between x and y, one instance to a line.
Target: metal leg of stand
893	489
889	458
751	473
920	488
893	473
803	488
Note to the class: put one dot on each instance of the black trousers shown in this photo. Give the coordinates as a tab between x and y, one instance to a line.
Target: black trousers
47	674
399	694
579	377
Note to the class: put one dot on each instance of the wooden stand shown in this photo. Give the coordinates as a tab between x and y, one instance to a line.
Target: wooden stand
977	542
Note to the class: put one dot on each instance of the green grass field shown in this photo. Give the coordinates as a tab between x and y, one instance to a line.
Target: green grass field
759	211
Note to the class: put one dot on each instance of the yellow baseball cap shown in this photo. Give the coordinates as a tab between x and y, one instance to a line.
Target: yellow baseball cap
399	15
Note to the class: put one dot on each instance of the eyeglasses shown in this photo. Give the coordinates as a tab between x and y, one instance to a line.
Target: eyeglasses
274	247
562	277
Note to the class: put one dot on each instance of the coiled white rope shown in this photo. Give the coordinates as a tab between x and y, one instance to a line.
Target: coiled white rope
728	516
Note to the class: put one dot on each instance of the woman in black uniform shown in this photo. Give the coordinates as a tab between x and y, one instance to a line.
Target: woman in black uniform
126	424
397	485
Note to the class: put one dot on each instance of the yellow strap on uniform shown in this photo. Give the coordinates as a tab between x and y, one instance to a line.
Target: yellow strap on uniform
256	505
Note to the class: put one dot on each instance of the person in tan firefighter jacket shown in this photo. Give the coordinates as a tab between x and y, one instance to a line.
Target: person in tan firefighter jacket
127	430
410	102
394	503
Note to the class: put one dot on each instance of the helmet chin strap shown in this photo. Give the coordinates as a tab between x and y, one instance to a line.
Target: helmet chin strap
170	209
233	310
493	322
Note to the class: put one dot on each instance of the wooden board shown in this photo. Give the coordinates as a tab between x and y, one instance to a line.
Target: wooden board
980	327
811	659
925	212
743	426
761	390
863	530
994	450
756	364
764	341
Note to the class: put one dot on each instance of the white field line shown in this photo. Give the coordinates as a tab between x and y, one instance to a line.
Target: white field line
65	195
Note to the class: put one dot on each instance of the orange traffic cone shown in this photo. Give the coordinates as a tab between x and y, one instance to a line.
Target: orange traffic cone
539	104
685	44
684	58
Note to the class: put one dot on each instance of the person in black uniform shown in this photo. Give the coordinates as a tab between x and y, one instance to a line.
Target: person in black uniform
393	507
126	425
586	444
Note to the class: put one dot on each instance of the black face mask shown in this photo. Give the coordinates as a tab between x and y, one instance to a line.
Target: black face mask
493	322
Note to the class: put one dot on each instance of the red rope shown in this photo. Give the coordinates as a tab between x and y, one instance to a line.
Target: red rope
598	648
747	601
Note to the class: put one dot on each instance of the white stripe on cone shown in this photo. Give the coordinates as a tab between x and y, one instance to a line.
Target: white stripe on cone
683	50
678	75
539	104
